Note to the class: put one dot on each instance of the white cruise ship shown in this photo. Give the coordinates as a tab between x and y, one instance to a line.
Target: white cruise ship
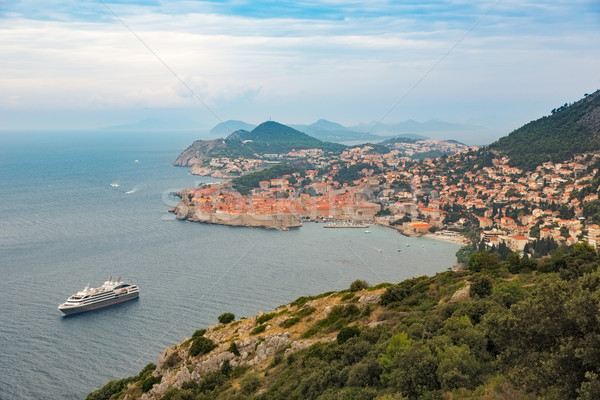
111	292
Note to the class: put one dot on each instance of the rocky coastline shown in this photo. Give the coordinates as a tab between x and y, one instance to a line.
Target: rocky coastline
176	367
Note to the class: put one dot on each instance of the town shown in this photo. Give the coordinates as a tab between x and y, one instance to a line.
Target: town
470	195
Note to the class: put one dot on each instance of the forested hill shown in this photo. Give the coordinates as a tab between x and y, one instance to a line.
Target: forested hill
268	138
570	129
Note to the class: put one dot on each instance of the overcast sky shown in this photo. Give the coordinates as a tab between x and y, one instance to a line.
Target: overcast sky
85	64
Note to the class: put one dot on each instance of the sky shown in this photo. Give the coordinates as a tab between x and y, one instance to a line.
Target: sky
89	64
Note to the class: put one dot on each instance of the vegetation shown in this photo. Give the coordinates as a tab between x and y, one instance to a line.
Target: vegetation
201	345
113	388
358	285
244	184
557	137
226	318
354	172
529	329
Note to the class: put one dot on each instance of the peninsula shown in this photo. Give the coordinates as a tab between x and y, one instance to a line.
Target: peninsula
494	196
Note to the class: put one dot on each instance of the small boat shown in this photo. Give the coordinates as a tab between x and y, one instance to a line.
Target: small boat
367	231
380	250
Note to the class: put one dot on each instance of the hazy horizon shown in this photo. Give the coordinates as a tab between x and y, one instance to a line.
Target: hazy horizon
90	65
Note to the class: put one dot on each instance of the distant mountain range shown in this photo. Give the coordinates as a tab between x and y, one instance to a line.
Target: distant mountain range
334	132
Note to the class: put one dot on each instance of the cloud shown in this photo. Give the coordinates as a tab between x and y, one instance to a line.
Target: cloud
328	56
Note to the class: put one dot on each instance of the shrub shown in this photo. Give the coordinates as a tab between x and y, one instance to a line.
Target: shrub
347	333
111	388
226	318
198	333
250	384
148	369
233	349
396	293
258	329
264	318
201	346
481	287
306	311
347	297
211	381
290	322
358	285
310	332
172	360
149	382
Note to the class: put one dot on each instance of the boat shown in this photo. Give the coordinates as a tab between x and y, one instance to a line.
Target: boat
111	292
345	224
367	231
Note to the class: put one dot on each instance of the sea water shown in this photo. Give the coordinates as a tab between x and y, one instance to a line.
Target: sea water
80	207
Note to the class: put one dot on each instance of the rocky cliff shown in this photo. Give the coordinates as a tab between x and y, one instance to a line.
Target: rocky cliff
255	343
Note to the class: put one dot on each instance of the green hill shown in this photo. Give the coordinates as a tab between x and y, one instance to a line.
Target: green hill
273	137
570	129
268	138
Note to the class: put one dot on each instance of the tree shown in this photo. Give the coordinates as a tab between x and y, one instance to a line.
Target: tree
481	287
358	285
346	333
483	261
201	345
226	318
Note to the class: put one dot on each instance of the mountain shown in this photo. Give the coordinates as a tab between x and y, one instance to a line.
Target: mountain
267	138
415	128
570	129
227	127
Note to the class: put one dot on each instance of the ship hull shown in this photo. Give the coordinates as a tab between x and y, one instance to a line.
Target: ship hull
100	304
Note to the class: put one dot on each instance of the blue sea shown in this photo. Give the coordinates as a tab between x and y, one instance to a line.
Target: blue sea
79	207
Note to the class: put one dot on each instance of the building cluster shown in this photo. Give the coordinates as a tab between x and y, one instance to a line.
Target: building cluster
502	203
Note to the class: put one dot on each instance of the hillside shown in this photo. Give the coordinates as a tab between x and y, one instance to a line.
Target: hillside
569	130
518	329
268	138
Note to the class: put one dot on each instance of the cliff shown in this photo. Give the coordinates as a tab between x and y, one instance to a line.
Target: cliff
196	153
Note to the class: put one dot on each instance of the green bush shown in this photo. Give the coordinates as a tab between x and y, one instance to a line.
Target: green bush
290	322
233	349
226	318
258	329
201	346
111	388
346	333
347	296
211	381
304	312
149	382
250	384
198	333
265	317
358	285
481	287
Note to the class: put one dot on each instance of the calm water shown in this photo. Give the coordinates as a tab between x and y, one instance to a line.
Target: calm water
62	225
